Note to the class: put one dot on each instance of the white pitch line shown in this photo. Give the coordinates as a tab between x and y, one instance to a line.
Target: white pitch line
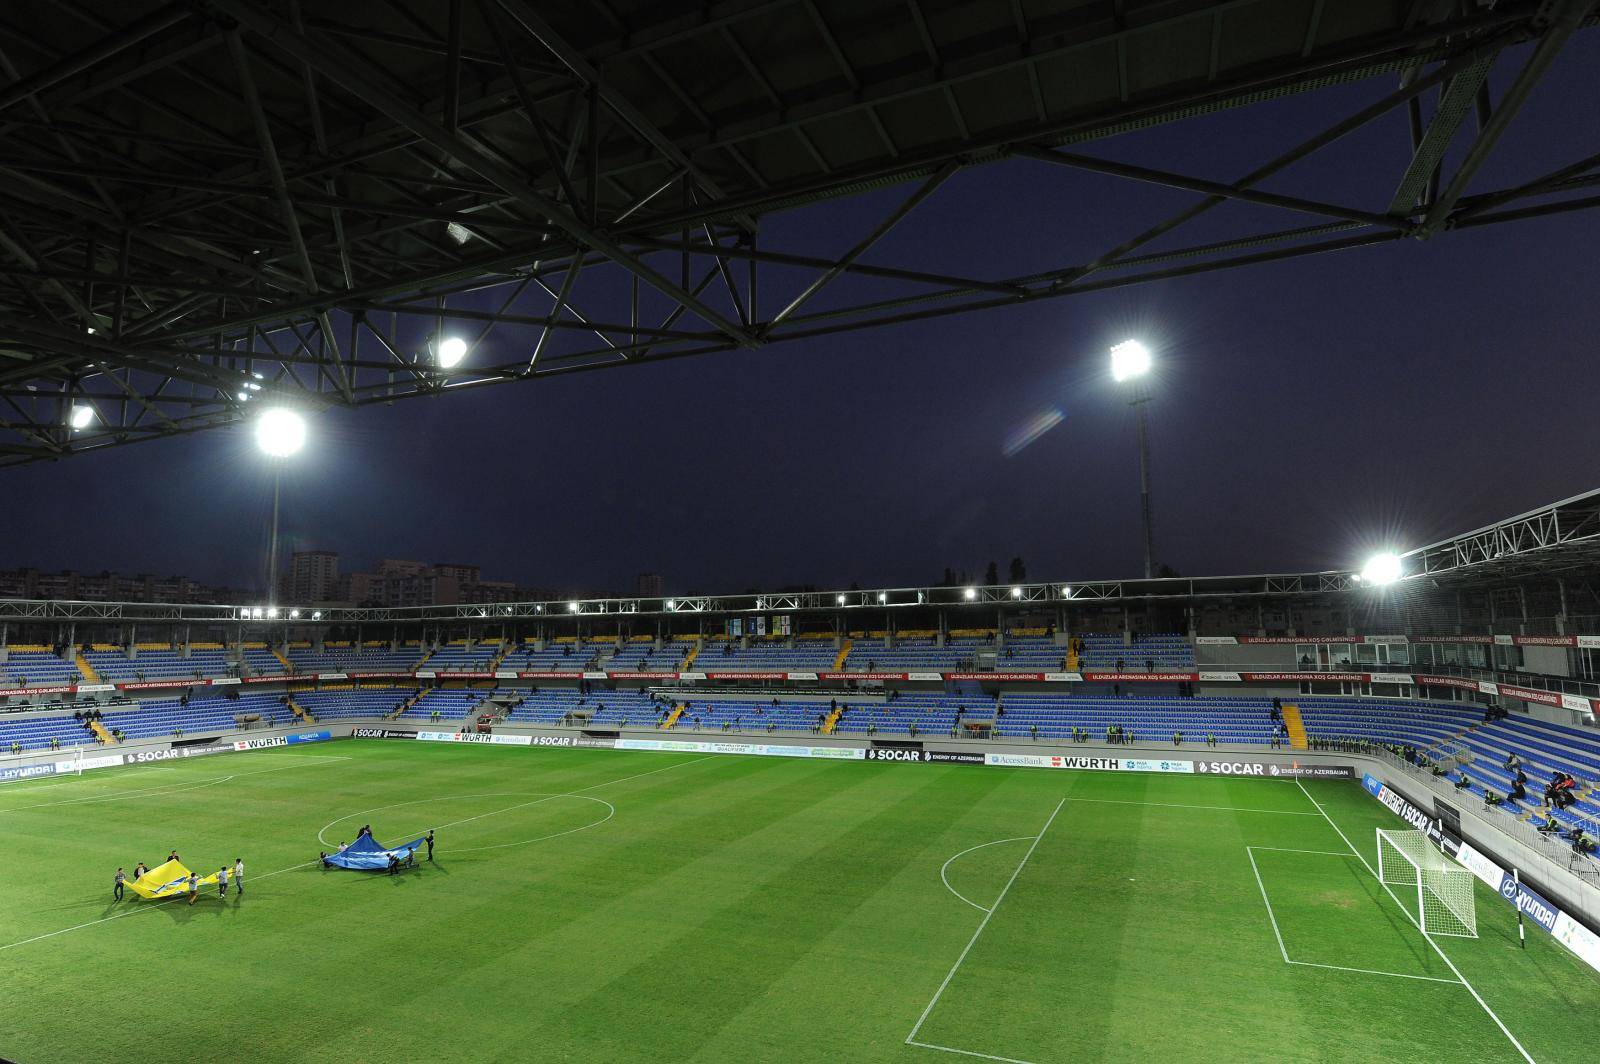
963	853
1285	849
1442	955
967	1052
171	788
1278	934
1176	805
1268	903
911	1038
304	864
1369	971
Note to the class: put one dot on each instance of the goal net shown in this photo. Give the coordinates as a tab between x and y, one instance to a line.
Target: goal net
1442	889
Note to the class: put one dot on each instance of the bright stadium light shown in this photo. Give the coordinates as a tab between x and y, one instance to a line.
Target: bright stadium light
1066	591
1016	592
80	416
672	604
449	352
839	599
280	432
294	615
255	614
272	613
572	607
970	593
317	616
1129	359
1381	569
883	596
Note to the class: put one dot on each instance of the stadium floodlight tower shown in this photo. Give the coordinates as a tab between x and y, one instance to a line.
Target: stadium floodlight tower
1382	569
280	434
449	351
1130	365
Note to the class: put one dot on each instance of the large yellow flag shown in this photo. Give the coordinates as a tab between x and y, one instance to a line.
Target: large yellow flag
167	881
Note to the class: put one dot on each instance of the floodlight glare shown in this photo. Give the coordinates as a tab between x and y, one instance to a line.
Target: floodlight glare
294	615
883	597
450	351
81	416
280	432
1066	591
970	594
1381	569
272	612
839	599
672	604
317	616
1129	359
572	607
1016	592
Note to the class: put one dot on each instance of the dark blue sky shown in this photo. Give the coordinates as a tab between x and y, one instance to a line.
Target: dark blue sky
1305	411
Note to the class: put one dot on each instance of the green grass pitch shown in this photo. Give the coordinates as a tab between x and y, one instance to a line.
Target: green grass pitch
604	906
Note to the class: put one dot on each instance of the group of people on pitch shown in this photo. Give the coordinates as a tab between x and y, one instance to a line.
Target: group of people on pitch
191	884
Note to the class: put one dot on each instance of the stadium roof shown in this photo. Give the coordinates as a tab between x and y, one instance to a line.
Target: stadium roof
209	206
1553	541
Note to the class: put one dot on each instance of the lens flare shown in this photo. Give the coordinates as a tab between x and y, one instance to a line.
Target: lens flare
1030	430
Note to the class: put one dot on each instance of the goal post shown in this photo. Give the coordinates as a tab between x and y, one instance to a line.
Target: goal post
1442	889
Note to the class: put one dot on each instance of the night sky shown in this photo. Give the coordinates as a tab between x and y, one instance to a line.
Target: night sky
1306	412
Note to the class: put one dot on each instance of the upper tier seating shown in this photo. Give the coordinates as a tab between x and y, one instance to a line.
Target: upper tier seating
114	666
36	668
354	659
457	657
766	655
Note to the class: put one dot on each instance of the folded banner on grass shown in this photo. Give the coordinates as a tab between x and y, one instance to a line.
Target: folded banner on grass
367	854
168	881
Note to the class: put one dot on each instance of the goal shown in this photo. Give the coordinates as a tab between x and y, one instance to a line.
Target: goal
1443	889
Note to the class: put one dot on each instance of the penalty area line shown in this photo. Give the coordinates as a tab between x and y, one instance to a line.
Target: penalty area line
1278	934
967	1052
1436	948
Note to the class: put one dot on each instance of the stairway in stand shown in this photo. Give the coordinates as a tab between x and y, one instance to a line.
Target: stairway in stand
85	668
1294	726
844	652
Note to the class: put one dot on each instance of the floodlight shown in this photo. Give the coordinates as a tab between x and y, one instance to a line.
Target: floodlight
317	616
572	607
80	416
883	597
449	352
1382	569
970	593
1066	592
672	604
458	232
294	615
1129	359
1016	592
280	432
840	600
272	613
255	614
